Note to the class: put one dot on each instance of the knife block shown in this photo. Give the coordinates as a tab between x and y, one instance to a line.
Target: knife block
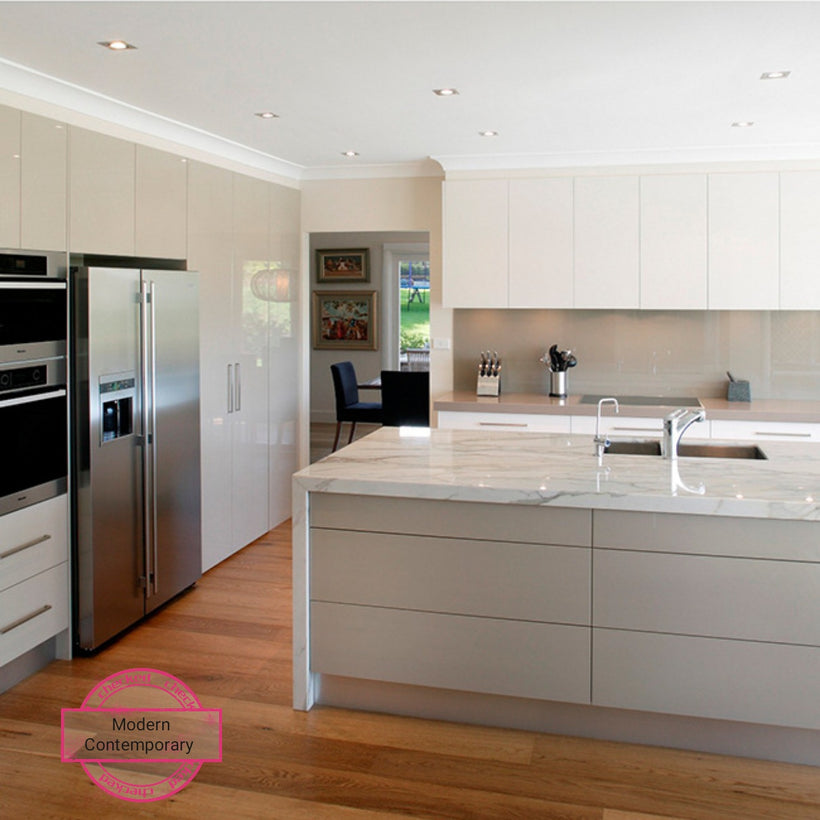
488	386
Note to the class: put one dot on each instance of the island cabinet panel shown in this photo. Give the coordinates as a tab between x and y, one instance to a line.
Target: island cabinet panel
708	535
450	575
455	519
747	599
500	657
704	677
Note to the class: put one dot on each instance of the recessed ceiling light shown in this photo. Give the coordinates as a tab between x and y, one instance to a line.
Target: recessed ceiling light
116	45
742	124
488	133
774	75
267	115
350	153
445	92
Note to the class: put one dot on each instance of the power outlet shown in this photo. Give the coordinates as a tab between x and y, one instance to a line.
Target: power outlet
441	344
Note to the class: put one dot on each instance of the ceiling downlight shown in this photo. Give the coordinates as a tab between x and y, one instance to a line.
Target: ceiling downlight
775	75
116	45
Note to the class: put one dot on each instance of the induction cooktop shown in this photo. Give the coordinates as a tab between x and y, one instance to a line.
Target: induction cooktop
650	401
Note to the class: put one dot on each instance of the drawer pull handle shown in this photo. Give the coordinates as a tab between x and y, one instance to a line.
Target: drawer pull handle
25	619
784	435
655	430
21	547
502	424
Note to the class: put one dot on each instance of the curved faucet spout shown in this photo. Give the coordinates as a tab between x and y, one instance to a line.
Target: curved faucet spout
602	442
675	425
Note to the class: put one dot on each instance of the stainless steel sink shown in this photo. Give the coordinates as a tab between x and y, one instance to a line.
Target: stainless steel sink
652	447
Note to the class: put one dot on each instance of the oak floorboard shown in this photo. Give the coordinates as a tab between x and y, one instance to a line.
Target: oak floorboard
229	639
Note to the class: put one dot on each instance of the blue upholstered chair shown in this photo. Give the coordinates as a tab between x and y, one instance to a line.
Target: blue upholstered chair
348	406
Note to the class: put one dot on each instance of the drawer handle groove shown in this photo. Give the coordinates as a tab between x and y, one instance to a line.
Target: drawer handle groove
502	424
25	619
21	547
784	435
655	430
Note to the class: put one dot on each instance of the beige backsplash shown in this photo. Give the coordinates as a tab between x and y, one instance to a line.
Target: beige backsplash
646	352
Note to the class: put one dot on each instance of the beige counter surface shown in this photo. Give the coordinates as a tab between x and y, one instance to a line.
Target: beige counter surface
784	410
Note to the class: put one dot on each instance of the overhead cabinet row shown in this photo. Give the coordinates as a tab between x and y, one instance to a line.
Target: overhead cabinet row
669	241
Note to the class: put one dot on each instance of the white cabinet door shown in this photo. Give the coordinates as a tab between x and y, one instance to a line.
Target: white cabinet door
101	193
622	426
9	177
210	243
44	184
673	242
475	243
799	240
161	200
743	241
541	253
765	430
249	418
606	242
510	422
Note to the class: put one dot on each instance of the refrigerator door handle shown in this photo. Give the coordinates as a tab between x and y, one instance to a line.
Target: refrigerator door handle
230	388
153	447
238	387
145	299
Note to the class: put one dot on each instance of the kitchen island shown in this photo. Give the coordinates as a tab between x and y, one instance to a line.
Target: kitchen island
515	579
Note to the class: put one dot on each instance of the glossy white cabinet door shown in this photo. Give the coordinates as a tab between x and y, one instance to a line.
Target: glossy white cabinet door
44	184
249	419
210	243
475	243
101	193
673	242
607	242
9	177
161	201
283	349
541	236
799	240
743	241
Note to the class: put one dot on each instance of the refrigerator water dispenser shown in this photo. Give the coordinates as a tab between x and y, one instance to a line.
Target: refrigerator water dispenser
117	406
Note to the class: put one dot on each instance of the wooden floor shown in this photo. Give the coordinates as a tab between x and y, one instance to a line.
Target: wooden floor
229	640
321	437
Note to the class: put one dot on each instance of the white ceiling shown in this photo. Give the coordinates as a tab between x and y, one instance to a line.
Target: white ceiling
564	83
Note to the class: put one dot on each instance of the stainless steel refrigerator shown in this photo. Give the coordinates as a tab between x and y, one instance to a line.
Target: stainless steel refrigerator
136	457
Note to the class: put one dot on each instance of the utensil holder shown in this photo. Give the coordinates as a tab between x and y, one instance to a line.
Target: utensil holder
739	390
558	383
488	386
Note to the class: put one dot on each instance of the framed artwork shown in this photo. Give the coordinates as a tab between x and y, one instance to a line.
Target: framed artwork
345	320
346	265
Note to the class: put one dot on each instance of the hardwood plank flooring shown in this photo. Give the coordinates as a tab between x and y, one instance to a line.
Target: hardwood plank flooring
229	639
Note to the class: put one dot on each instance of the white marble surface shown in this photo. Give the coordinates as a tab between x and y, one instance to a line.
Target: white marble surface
563	471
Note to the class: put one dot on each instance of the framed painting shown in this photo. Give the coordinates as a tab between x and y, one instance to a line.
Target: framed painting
345	320
346	265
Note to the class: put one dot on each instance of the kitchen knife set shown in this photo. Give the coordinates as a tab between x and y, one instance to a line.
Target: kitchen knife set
489	378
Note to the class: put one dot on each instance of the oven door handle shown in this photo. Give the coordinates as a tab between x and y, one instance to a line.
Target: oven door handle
52	394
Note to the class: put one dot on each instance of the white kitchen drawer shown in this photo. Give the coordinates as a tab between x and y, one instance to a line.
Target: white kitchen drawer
510	422
765	430
33	611
32	540
500	657
706	677
747	599
619	425
452	575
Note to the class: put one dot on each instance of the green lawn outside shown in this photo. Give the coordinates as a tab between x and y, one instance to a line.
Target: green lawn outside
415	320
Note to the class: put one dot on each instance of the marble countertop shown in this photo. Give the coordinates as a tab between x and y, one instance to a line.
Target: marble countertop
789	410
562	470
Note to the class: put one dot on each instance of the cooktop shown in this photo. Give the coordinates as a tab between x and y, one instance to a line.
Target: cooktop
652	401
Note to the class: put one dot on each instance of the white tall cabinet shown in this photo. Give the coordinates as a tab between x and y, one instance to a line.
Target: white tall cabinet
9	177
800	240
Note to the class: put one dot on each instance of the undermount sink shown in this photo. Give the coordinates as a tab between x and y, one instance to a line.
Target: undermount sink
652	447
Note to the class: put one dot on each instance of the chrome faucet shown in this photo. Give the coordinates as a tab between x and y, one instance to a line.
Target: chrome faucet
675	425
602	442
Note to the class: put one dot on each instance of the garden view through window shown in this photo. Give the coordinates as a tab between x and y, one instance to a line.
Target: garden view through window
414	332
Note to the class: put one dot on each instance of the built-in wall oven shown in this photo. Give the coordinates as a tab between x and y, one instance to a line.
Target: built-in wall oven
33	400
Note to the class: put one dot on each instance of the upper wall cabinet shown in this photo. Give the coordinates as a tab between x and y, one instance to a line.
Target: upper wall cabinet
607	242
800	240
9	177
43	184
674	264
101	194
540	243
743	241
475	243
161	200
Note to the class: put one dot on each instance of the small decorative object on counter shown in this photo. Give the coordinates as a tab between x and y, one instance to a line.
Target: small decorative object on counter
558	362
489	374
738	389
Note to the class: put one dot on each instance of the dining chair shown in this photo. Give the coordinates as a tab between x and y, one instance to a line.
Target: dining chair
348	406
405	398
